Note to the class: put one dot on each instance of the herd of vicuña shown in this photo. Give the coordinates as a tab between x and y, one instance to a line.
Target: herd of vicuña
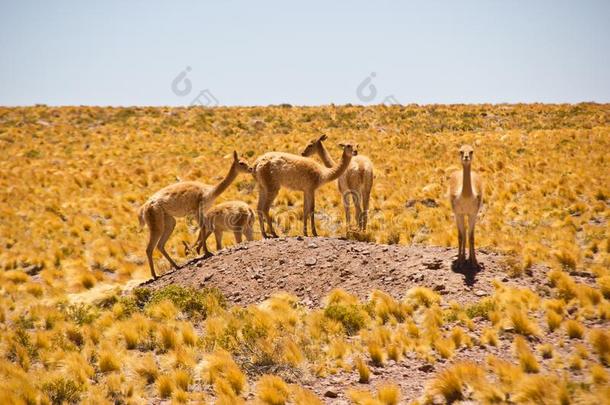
354	174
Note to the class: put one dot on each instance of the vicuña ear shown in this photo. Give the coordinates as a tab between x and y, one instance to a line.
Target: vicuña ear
342	145
235	155
323	137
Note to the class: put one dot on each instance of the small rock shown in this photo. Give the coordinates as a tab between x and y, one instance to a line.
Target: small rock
282	261
311	261
439	287
480	293
426	368
312	245
388	279
331	394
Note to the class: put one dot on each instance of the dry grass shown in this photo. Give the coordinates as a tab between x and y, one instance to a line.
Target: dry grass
79	174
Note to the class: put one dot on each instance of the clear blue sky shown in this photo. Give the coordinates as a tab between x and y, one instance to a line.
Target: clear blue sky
304	53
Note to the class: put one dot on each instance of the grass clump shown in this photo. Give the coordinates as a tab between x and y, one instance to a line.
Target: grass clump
388	394
423	296
109	362
527	360
220	369
452	382
521	323
600	340
147	368
364	374
574	329
165	386
272	390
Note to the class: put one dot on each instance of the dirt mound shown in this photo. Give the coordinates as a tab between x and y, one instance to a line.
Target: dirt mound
311	267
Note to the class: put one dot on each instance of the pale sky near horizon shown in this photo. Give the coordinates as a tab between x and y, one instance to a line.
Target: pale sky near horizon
306	53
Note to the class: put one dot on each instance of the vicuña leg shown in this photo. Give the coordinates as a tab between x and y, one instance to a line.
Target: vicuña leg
271	194
262	198
308	212
347	208
218	237
249	233
204	234
154	219
461	226
169	225
472	219
312	212
237	236
366	196
358	207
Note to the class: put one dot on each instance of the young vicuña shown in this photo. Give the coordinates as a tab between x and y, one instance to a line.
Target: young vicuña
233	216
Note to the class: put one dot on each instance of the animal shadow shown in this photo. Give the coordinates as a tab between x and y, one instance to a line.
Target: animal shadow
467	270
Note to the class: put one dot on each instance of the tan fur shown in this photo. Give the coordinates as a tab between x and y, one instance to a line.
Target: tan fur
178	200
356	182
466	196
276	169
233	216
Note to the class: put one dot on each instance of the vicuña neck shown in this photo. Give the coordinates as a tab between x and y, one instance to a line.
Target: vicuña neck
226	182
325	156
337	170
466	181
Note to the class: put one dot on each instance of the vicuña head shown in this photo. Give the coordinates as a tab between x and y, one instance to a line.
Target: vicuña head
466	153
349	148
314	146
240	165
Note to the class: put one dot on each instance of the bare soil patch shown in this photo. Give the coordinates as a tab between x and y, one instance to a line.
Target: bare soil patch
311	267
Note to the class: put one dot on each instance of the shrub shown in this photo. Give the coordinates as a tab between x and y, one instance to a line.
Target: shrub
191	301
61	390
352	317
79	313
481	309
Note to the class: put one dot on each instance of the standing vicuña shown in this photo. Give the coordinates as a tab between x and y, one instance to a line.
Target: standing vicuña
276	169
357	181
178	200
466	196
234	216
